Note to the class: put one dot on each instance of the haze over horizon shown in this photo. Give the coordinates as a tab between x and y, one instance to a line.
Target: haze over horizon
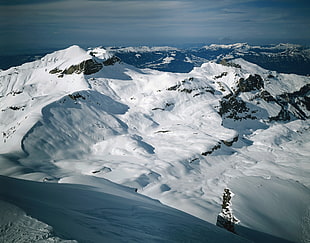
36	25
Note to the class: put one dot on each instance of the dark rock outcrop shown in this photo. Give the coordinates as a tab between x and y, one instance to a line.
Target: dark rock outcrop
233	107
224	62
86	67
230	142
216	147
221	75
252	83
226	219
266	96
299	102
111	61
283	115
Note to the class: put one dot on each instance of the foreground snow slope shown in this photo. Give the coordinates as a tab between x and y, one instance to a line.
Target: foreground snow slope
287	199
97	211
177	137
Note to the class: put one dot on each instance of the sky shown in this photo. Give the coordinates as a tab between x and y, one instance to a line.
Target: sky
32	25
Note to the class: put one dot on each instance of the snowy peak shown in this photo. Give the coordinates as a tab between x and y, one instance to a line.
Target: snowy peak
100	53
76	60
229	46
63	59
27	89
72	55
143	49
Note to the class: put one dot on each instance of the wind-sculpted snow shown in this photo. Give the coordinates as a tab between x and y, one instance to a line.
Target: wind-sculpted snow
70	125
181	138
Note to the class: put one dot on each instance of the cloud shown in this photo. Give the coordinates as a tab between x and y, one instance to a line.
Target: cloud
142	22
23	2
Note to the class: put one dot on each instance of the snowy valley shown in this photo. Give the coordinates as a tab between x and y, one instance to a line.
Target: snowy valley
93	149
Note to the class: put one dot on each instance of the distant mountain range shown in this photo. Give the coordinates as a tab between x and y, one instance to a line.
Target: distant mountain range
284	58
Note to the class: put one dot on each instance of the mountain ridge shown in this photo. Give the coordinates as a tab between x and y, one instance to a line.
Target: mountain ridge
283	57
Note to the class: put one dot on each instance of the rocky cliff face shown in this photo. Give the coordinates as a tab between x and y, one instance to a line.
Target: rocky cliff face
86	67
294	105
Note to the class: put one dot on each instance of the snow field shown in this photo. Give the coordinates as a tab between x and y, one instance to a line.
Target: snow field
159	133
91	209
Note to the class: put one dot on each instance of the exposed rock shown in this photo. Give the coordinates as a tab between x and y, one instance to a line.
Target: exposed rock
13	92
163	131
221	75
55	70
157	108
167	105
216	147
111	61
230	142
174	88
15	108
76	96
226	219
283	115
87	67
251	83
293	105
186	90
224	62
299	100
234	107
266	96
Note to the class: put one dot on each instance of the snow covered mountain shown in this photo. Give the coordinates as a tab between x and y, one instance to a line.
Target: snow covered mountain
285	58
85	117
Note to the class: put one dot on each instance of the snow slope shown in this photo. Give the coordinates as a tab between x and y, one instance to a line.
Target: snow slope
96	211
181	138
17	226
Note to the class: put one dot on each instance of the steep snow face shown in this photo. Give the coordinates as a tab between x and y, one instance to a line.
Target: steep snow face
177	137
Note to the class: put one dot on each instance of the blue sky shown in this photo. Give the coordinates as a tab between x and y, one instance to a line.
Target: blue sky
31	25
